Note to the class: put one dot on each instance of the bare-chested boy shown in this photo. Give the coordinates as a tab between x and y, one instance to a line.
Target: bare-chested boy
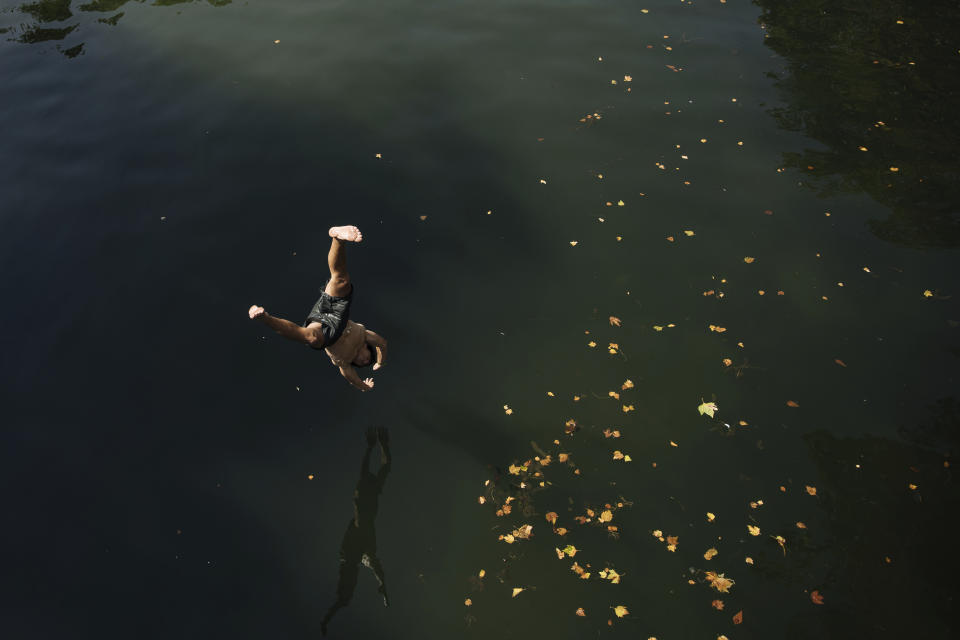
348	343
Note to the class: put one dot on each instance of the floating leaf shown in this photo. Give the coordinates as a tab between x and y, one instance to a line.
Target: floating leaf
570	550
749	260
710	517
614	321
738	617
627	384
551	517
606	516
707	408
468	602
791	403
717	604
688	233
620	610
516	591
754	531
815	597
840	362
811	490
719	582
580	612
710	553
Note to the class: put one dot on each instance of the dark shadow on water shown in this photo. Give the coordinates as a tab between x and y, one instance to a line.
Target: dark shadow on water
359	545
880	76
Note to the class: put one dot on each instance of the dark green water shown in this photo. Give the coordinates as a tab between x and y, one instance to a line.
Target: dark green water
166	165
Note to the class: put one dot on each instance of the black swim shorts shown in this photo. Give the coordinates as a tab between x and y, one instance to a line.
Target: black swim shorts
333	313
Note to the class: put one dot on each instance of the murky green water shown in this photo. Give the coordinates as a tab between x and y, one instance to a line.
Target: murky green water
172	470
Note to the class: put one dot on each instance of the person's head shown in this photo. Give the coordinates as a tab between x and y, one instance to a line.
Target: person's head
366	357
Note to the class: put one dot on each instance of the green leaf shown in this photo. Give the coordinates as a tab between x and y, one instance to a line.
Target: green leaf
707	408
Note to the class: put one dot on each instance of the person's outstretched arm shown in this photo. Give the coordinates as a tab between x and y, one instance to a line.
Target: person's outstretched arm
350	374
285	328
380	344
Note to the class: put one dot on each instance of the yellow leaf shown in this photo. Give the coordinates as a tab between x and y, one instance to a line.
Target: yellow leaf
657	327
710	553
710	517
606	515
628	408
928	294
591	344
468	602
811	490
580	612
727	362
748	560
628	384
707	408
516	591
688	233
550	393
627	459
620	203
618	455
573	243
620	610
570	550
613	394
754	531
482	573
719	582
749	260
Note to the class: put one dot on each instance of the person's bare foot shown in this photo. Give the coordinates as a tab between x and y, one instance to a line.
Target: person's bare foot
347	233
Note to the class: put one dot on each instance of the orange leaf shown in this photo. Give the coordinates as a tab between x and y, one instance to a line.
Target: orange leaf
614	321
738	617
717	604
791	403
748	259
840	362
580	612
811	490
551	517
815	597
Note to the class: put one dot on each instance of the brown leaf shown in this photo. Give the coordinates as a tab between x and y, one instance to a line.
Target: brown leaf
738	617
580	612
840	362
815	597
811	490
717	604
710	553
718	581
791	403
551	517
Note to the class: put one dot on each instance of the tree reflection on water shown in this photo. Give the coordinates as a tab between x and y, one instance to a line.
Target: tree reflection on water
877	84
45	13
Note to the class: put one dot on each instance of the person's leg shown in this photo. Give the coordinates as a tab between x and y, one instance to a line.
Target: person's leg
339	285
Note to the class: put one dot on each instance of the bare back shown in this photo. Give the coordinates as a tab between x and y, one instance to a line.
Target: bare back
345	349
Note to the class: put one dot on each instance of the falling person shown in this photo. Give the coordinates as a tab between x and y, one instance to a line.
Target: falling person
349	344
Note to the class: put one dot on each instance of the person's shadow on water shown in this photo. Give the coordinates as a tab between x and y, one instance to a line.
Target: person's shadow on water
359	545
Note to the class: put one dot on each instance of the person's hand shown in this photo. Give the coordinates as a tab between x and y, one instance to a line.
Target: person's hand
369	383
256	312
371	437
377	366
